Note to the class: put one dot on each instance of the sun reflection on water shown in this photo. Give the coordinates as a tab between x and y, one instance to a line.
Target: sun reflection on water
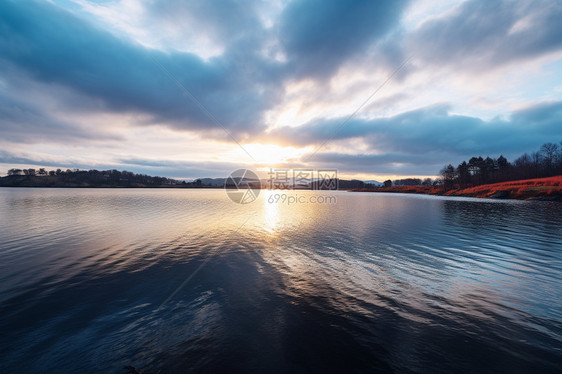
270	213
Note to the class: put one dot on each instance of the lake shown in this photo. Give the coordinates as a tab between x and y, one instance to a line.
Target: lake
171	281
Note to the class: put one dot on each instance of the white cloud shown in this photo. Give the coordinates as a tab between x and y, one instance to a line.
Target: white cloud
483	60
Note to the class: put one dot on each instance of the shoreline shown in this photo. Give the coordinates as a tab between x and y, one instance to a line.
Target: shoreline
544	189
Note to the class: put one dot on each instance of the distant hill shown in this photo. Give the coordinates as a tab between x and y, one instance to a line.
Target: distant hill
213	182
342	184
374	182
127	179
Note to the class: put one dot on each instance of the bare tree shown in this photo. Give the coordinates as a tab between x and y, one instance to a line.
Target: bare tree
549	152
449	174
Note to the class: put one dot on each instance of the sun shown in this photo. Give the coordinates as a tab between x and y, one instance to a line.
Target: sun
272	154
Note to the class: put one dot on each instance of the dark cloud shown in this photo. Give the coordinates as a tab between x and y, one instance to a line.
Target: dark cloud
9	158
26	123
319	35
183	169
381	164
547	114
27	160
435	129
162	167
487	34
50	45
55	47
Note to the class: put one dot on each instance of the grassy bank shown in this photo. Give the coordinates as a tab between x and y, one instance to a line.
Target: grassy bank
539	189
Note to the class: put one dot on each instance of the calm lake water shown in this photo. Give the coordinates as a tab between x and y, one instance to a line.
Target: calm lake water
91	281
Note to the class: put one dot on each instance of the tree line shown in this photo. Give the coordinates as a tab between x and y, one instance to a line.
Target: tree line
545	162
84	178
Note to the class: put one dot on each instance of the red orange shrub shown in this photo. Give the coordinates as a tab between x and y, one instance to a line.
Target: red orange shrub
522	189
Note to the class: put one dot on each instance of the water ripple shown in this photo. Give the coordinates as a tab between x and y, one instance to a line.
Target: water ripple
373	283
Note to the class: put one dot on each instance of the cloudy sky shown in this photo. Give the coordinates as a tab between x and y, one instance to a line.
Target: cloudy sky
187	89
